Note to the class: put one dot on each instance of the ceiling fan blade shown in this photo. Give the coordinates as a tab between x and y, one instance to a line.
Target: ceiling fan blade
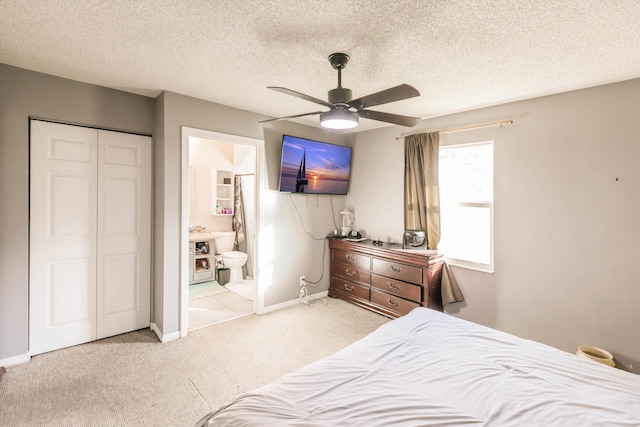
301	95
291	117
396	119
396	93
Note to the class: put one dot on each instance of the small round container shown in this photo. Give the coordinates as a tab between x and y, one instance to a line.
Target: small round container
596	354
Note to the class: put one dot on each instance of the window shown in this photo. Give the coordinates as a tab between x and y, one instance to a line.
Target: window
466	204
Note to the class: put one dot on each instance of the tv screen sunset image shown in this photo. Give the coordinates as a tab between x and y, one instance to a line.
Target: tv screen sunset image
314	167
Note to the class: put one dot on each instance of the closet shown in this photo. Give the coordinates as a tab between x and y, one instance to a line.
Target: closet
89	234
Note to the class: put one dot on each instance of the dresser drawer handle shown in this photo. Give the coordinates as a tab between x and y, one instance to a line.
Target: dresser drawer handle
396	269
391	303
350	272
349	288
350	258
393	285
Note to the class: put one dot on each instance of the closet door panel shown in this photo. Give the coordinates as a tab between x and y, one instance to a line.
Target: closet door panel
124	233
62	233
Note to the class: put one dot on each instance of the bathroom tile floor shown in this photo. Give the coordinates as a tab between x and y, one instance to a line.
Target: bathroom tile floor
210	303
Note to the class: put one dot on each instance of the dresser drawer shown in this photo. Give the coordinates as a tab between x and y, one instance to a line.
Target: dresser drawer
396	287
407	273
351	273
349	288
350	258
392	302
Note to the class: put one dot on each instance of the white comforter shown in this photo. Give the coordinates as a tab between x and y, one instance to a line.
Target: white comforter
432	369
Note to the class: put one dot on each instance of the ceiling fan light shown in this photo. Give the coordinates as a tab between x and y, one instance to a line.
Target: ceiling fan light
339	119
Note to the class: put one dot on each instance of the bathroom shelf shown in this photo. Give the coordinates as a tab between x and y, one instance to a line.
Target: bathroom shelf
221	193
202	262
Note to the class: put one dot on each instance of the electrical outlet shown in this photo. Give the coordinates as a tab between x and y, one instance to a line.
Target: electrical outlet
302	281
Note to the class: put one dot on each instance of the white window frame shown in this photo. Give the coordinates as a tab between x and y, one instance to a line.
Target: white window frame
487	268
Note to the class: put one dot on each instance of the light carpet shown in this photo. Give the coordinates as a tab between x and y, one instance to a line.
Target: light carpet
133	380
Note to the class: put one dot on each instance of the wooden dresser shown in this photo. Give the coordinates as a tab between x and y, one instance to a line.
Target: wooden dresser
386	279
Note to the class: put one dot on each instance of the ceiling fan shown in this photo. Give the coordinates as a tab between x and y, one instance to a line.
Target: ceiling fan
344	111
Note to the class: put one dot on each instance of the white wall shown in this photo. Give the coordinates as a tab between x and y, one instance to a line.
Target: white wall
567	205
244	159
208	154
205	155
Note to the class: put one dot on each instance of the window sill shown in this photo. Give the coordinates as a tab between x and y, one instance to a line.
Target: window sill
482	268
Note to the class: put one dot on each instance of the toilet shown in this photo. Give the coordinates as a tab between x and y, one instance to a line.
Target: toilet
231	259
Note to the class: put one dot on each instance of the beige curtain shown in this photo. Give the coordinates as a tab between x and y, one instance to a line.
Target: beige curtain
421	193
238	225
422	200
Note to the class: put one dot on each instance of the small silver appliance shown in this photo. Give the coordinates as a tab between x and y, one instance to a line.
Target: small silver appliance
414	239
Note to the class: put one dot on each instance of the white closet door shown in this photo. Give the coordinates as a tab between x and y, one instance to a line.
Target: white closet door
63	194
90	235
124	233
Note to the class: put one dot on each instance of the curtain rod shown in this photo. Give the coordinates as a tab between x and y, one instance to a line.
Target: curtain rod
501	124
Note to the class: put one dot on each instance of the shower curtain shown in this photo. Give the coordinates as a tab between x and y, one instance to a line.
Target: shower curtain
239	225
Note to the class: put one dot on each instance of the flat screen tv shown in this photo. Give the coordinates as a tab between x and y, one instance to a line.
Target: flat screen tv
314	167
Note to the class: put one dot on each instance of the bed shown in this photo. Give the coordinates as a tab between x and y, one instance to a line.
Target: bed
432	369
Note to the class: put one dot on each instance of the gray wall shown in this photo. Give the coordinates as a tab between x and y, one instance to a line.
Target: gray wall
25	93
22	94
286	252
173	112
566	240
292	242
567	204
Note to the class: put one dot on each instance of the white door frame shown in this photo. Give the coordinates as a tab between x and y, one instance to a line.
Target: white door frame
187	132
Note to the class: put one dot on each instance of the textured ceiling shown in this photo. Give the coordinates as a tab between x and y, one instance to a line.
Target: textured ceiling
460	55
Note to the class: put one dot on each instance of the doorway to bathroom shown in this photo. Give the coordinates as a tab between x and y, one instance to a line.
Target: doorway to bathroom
220	222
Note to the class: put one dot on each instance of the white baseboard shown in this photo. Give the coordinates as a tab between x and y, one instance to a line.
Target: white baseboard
15	360
162	337
291	303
